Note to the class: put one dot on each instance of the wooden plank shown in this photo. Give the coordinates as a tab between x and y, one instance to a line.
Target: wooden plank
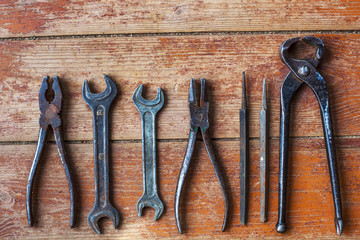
169	63
63	17
310	211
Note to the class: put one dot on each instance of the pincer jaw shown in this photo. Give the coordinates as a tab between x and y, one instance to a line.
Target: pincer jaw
314	41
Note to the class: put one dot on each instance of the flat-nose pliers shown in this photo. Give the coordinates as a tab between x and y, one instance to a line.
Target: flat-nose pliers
49	116
304	71
199	121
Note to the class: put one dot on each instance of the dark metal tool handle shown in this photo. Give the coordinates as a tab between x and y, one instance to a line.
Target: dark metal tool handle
243	167
219	175
101	155
64	161
29	187
289	87
149	153
323	98
182	175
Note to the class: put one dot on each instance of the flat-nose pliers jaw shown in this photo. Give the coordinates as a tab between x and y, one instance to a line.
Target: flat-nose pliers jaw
199	120
304	71
49	116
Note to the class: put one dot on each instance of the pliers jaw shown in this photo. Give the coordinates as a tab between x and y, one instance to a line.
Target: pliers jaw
199	113
49	111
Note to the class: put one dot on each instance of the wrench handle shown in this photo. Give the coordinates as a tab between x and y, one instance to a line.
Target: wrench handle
101	155
149	152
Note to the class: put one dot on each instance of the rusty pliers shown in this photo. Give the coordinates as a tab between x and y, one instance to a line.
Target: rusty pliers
49	116
304	71
199	121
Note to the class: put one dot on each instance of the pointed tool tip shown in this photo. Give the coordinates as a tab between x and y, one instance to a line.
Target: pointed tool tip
243	97
263	103
339	226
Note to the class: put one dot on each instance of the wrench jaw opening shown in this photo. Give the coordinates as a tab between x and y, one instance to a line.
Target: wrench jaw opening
144	105
97	213
150	201
93	99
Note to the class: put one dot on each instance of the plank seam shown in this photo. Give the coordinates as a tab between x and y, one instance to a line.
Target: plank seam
168	140
166	34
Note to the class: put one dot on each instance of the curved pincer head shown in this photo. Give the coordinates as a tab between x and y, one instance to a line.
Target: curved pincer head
150	201
303	69
317	43
97	213
145	105
93	99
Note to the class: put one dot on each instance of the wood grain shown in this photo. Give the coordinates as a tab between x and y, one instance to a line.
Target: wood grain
169	63
65	17
310	212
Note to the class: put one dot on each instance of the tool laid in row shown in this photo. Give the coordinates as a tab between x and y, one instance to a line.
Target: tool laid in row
199	121
100	105
148	110
304	71
301	71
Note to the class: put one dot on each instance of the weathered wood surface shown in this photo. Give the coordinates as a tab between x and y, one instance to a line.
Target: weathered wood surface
169	63
80	51
310	211
65	17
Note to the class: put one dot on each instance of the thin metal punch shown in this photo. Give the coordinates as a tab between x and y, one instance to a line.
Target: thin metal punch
263	156
243	156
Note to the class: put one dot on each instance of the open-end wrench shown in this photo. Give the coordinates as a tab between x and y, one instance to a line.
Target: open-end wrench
148	110
100	105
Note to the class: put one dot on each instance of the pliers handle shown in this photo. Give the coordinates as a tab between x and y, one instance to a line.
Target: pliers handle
304	71
49	116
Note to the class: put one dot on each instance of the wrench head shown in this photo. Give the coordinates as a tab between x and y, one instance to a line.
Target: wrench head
145	105
150	201
97	213
103	98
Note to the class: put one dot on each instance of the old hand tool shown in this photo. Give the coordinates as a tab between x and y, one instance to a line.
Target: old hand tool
304	71
199	121
263	156
49	116
148	110
100	105
243	156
